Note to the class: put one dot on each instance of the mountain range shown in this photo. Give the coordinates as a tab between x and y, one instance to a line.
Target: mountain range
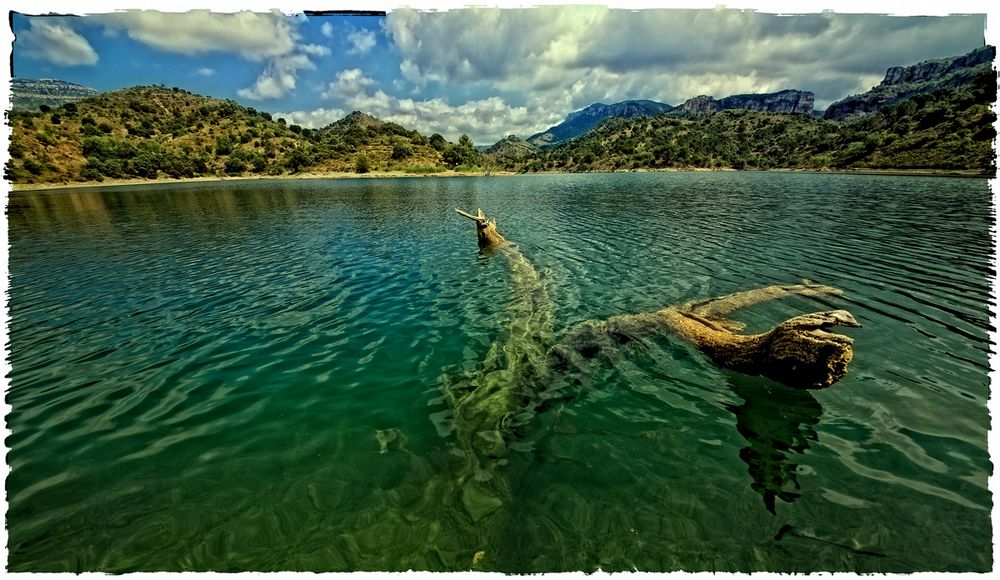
933	115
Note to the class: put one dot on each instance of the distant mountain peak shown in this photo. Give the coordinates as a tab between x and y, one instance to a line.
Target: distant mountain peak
903	82
579	122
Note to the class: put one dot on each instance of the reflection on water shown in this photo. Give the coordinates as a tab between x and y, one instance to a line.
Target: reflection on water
778	423
254	375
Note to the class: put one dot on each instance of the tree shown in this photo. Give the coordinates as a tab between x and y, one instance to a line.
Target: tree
438	142
361	164
400	150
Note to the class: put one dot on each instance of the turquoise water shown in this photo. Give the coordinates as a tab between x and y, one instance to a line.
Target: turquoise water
252	375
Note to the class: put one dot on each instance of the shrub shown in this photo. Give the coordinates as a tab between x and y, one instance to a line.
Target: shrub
401	150
33	167
298	159
234	166
361	164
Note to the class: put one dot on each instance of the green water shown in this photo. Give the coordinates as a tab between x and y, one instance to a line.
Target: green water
257	375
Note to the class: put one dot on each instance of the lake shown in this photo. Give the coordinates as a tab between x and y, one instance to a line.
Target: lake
255	375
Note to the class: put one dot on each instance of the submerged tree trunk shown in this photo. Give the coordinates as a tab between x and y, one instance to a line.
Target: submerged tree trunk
487	406
800	352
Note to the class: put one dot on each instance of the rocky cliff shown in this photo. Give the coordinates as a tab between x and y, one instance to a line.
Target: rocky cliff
787	101
901	83
579	122
30	94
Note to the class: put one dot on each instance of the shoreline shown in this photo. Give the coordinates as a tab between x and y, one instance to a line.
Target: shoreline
31	187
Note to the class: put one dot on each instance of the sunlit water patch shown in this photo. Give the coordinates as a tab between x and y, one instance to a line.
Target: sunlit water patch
254	376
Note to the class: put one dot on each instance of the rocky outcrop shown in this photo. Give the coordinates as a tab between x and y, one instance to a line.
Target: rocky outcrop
579	122
901	83
934	69
787	101
30	94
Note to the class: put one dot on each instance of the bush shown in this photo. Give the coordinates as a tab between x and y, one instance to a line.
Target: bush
89	173
33	167
223	146
234	166
400	150
361	164
299	159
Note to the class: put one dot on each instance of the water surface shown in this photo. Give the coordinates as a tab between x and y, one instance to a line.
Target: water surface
199	373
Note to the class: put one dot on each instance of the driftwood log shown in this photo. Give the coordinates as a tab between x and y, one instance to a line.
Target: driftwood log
801	352
489	406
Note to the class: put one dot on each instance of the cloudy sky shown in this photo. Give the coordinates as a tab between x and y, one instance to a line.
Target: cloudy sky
487	72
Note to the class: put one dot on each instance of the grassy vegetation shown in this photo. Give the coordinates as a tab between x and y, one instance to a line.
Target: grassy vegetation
423	169
155	132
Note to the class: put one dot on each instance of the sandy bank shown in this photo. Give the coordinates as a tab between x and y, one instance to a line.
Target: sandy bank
399	174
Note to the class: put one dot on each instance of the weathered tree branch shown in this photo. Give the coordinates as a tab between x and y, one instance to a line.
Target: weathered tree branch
486	230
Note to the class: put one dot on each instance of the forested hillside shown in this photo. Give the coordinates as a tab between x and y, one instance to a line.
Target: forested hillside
950	129
151	132
155	132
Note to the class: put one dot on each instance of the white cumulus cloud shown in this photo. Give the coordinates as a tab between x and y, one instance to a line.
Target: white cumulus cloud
315	119
268	37
253	35
55	41
278	78
362	41
673	55
348	85
486	120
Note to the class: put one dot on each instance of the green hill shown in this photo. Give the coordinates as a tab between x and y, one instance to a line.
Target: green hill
151	132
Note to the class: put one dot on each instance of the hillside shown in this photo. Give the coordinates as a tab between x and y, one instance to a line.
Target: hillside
150	132
579	122
32	95
901	83
948	129
513	148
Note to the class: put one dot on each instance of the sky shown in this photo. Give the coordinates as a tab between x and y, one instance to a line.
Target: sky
486	72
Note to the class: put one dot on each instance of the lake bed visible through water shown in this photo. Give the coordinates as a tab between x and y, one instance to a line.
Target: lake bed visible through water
252	375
